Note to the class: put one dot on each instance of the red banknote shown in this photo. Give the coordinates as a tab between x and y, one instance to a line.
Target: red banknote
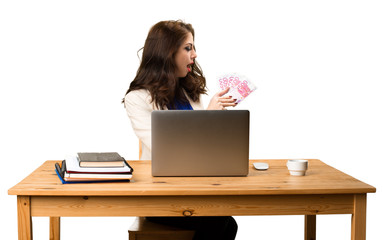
240	86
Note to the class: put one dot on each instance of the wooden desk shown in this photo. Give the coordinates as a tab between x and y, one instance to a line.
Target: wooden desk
324	190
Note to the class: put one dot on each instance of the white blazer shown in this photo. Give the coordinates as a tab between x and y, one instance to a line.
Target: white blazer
139	107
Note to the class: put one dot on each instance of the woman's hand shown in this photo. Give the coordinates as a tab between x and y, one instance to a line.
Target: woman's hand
218	102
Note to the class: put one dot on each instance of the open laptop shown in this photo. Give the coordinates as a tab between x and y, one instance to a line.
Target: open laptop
200	143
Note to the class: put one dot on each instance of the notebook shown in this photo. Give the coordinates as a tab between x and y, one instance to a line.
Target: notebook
200	143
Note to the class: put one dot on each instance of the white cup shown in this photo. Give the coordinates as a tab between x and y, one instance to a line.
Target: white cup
297	167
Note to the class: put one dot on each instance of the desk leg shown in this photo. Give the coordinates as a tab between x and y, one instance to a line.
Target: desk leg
310	227
358	219
54	228
24	218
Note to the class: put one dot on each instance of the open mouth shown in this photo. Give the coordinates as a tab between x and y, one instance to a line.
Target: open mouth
189	66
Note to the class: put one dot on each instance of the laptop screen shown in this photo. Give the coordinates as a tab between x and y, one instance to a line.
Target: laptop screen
200	143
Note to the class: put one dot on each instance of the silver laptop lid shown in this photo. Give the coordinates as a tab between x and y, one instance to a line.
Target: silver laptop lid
200	143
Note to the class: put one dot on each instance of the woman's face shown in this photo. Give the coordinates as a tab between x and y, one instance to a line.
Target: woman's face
185	56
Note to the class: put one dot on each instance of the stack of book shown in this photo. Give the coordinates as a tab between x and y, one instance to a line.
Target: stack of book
90	167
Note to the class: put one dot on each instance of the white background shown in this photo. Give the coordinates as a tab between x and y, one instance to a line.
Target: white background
65	66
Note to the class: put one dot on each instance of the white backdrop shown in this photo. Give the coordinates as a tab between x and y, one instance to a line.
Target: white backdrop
65	66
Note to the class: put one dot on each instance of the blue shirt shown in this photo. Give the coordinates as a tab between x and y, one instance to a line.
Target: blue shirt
180	105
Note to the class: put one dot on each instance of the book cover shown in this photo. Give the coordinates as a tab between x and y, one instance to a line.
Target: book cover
72	166
61	171
93	176
100	159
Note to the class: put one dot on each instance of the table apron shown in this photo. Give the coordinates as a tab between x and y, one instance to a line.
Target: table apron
71	206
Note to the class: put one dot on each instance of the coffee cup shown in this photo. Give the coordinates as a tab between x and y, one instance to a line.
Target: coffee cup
297	167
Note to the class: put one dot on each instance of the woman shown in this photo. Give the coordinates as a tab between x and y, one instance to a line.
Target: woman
170	78
167	78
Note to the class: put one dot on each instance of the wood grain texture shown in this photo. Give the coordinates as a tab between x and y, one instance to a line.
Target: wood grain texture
194	205
24	218
358	219
54	228
320	179
310	227
324	190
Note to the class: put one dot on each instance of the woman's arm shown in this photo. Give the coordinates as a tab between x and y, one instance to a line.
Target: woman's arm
139	108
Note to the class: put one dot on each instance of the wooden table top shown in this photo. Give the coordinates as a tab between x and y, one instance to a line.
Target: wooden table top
320	179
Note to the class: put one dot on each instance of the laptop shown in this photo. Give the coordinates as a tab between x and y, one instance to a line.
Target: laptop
200	143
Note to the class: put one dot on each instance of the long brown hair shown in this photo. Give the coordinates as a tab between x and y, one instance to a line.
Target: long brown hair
156	72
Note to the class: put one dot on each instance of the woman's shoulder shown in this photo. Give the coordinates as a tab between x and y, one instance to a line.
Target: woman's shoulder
138	97
138	93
